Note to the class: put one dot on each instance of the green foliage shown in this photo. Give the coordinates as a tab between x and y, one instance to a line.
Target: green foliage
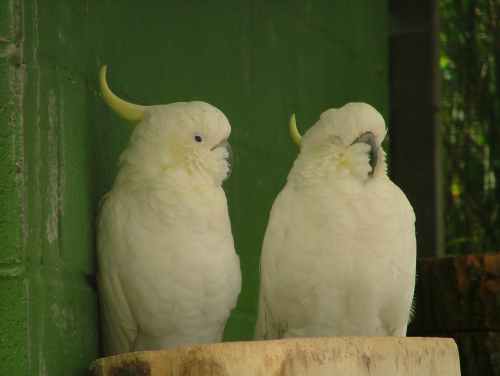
470	71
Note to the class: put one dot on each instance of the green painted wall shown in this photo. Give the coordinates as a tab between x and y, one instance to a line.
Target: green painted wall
256	60
14	293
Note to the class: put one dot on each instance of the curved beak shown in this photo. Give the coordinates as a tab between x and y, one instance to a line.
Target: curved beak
369	139
223	143
226	145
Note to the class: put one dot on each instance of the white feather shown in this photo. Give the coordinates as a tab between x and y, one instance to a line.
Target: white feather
338	257
168	271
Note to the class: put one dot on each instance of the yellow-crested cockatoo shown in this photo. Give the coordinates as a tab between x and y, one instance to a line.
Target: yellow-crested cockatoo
339	253
168	273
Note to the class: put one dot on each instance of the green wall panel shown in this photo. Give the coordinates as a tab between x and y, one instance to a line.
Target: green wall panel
13	285
10	140
258	61
13	326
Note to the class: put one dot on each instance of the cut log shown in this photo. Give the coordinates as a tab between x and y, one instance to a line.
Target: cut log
374	356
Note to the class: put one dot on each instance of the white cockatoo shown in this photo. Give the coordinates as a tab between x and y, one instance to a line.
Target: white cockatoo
339	253
168	273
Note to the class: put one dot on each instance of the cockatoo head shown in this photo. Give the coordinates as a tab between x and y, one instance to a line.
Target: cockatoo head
185	137
344	141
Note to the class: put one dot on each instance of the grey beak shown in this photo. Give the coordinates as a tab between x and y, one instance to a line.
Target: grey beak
229	149
225	144
369	139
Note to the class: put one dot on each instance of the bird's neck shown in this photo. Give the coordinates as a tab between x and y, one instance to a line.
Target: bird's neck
172	177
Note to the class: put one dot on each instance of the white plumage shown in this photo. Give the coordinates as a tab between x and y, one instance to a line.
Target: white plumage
338	257
168	271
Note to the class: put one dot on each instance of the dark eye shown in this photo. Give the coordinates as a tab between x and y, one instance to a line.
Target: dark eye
198	138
